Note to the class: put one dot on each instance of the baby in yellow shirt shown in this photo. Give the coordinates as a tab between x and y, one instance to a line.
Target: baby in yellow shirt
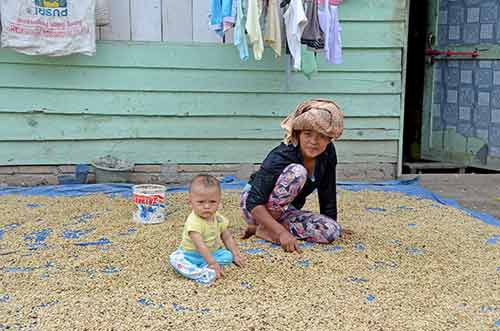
206	244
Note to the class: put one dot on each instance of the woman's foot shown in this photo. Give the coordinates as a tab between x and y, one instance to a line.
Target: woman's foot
249	232
267	235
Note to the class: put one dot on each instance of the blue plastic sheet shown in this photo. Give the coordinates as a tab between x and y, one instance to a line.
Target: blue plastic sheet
409	187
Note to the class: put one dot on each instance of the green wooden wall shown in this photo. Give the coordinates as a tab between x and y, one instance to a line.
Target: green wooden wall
197	103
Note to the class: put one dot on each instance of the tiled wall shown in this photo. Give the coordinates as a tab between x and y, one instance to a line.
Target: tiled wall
467	92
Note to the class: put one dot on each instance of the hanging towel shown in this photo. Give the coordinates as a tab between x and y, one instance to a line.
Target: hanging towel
295	22
330	24
222	16
240	38
272	35
313	36
309	64
253	28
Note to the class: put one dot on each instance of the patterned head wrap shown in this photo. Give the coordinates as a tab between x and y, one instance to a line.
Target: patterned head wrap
323	116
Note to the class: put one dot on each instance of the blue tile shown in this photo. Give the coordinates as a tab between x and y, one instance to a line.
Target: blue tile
442	35
486	32
496	77
453	77
438	73
495	116
468	64
464	114
436	111
494	135
443	17
495	98
467	96
484	78
481	117
450	114
454	33
451	96
473	15
489	12
456	15
483	98
438	93
485	64
471	34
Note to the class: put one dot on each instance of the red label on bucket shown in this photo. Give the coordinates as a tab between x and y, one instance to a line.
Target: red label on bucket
148	199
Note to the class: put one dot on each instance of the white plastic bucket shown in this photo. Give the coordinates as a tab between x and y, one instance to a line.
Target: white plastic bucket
150	202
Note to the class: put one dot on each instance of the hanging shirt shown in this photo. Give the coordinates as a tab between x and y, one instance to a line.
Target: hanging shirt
240	38
253	28
272	35
222	16
313	36
330	24
295	22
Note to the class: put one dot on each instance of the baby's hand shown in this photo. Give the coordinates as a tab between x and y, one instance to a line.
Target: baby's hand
239	261
217	268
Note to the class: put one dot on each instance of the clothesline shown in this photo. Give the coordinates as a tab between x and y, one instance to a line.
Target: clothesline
312	27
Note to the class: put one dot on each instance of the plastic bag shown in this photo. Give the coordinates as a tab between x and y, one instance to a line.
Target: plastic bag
102	13
48	27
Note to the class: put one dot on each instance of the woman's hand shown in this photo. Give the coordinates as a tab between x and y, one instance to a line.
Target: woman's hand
239	261
288	242
217	268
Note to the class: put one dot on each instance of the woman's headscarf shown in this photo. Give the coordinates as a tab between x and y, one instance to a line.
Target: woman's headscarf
323	116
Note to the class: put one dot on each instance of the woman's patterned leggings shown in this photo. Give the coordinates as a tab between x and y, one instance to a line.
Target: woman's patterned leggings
304	225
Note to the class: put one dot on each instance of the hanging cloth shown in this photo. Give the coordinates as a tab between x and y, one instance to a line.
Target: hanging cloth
253	28
240	38
272	35
222	16
295	22
313	36
332	2
309	64
330	24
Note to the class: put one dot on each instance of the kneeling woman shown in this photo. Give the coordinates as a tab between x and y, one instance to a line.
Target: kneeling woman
271	202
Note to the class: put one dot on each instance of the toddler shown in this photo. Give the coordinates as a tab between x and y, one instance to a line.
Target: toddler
206	244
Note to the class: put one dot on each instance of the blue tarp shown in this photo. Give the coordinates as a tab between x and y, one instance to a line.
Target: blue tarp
408	187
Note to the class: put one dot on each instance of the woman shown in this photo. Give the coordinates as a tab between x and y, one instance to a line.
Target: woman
304	161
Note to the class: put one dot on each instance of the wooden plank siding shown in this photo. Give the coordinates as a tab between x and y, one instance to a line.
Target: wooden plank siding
162	88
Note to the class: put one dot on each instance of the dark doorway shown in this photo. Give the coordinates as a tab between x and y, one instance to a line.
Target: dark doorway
415	68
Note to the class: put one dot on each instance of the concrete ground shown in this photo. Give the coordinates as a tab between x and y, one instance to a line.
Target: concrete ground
478	192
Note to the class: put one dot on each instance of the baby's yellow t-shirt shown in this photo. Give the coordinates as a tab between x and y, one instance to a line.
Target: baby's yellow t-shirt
210	231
